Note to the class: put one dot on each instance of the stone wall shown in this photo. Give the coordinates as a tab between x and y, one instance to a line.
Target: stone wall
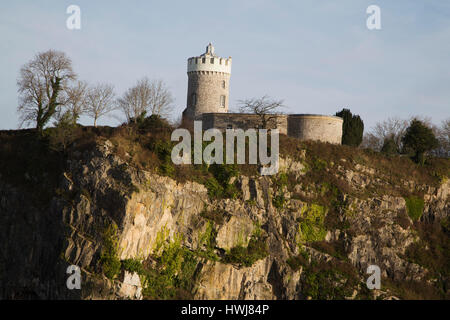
207	86
223	121
315	127
305	127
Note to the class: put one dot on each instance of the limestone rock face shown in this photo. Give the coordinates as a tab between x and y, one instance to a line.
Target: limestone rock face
37	244
226	282
130	287
387	242
236	231
437	204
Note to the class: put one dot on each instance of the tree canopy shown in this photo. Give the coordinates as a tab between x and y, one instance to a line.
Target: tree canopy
419	139
42	86
352	128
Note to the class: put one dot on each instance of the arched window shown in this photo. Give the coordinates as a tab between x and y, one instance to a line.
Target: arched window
194	99
223	84
222	101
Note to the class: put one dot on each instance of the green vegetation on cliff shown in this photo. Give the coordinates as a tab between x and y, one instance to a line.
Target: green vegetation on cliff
247	256
351	192
109	258
311	226
414	206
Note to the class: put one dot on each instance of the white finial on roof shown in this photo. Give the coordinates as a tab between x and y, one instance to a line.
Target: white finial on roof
210	49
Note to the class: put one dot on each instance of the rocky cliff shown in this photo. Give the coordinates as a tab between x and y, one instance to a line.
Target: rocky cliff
310	232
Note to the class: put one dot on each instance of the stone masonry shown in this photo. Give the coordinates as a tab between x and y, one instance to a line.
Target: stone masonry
208	100
208	84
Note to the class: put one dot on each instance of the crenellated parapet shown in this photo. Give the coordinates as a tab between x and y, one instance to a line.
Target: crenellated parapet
209	62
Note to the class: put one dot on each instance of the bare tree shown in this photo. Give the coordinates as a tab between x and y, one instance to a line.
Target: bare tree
146	97
161	99
392	128
75	105
371	141
265	107
77	97
42	86
100	101
444	139
136	100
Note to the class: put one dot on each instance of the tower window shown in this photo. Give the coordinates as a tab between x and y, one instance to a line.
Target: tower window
203	60
194	99
212	60
220	61
196	60
222	101
223	84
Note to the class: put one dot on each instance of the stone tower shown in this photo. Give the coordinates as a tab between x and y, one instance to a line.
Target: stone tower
208	84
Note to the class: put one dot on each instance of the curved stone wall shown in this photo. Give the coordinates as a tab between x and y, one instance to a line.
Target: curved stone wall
315	127
205	89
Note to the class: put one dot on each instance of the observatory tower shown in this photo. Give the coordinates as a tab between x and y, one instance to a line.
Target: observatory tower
208	84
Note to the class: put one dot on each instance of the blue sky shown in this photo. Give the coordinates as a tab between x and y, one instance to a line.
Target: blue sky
317	55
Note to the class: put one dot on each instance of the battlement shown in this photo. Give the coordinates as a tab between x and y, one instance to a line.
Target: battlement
209	62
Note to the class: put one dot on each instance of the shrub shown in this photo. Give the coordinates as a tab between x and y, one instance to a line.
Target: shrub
433	249
219	185
216	216
280	182
29	162
352	128
215	190
311	226
389	146
279	201
152	123
247	256
223	172
163	150
419	138
109	258
208	241
333	248
329	280
414	206
296	262
173	275
133	265
319	164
